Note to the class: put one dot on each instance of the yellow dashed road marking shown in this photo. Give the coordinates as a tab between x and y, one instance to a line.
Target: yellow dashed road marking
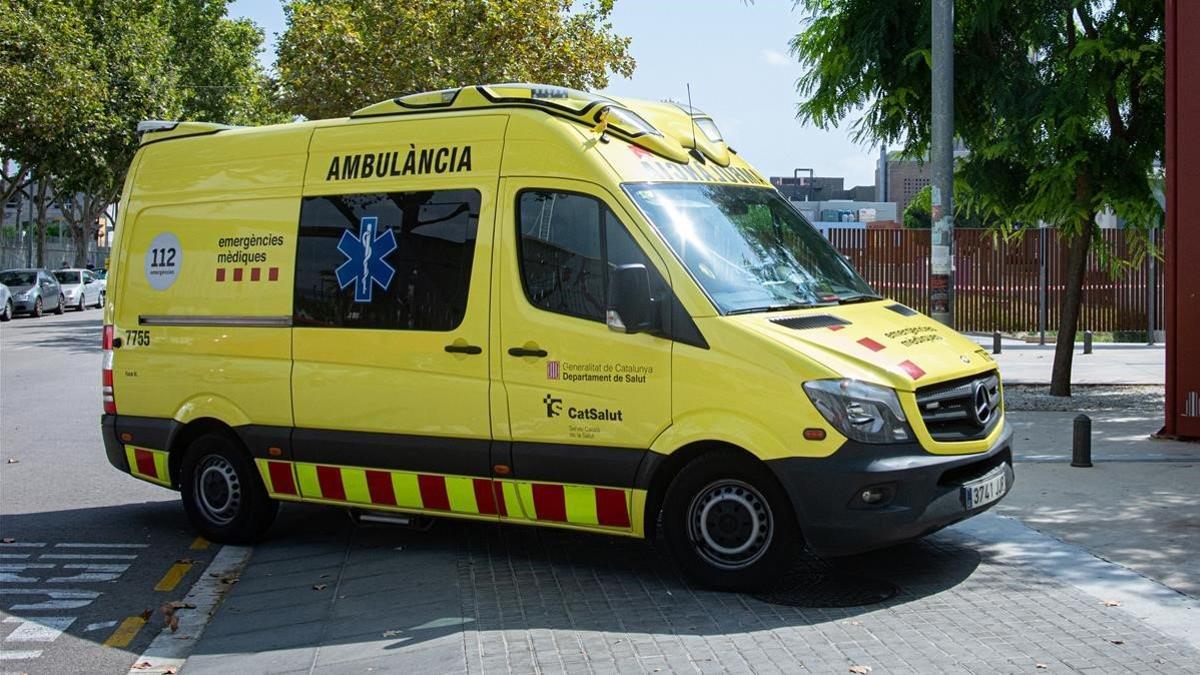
173	576
199	545
124	634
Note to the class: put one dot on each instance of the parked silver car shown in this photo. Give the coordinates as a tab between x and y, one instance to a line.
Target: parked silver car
33	291
81	288
6	303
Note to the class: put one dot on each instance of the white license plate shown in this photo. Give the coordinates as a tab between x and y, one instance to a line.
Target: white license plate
985	490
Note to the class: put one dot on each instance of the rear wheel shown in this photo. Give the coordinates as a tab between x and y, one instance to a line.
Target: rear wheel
222	493
37	307
729	524
62	305
8	311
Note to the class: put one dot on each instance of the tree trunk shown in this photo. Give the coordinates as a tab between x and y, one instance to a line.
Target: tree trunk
1064	346
40	237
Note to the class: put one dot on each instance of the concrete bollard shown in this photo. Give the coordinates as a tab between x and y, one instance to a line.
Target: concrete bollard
1081	442
996	342
1087	342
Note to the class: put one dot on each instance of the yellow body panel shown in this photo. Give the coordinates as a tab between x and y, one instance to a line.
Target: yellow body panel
229	203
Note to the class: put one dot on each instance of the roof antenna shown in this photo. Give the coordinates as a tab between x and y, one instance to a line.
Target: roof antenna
692	119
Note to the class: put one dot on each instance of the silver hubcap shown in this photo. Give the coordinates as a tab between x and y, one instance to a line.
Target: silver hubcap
730	524
218	490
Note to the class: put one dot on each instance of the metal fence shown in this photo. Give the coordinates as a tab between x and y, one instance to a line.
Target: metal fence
1010	286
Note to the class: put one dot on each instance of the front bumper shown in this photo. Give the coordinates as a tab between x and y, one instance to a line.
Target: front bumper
23	305
924	492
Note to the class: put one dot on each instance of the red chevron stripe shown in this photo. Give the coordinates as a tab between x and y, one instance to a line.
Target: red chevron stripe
379	485
330	480
281	477
550	502
611	509
433	492
485	500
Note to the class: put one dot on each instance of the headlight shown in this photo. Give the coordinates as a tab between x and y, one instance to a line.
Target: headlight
863	412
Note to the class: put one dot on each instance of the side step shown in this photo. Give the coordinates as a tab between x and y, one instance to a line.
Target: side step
405	520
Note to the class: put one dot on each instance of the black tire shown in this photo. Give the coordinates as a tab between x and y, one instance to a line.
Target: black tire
711	509
62	305
222	492
82	300
37	308
100	301
8	311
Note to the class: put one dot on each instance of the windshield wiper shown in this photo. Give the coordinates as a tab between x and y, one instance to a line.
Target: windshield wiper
859	297
779	308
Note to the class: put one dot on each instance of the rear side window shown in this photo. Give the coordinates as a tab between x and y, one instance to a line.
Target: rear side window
569	245
394	260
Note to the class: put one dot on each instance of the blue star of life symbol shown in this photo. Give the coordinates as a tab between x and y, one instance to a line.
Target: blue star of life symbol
365	266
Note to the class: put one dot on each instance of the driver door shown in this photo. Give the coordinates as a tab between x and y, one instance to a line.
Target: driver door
584	402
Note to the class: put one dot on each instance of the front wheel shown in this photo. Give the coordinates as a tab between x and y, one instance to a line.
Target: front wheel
37	308
729	524
82	303
62	305
222	493
100	300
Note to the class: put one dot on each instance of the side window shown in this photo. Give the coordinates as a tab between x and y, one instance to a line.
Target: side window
569	243
396	260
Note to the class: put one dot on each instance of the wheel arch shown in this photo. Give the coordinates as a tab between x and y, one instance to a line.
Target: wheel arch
184	434
657	475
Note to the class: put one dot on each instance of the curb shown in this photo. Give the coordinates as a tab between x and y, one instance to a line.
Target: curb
1008	538
168	650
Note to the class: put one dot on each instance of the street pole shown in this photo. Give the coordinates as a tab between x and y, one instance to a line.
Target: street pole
941	263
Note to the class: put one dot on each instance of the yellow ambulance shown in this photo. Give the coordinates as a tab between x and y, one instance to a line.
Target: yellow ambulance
527	304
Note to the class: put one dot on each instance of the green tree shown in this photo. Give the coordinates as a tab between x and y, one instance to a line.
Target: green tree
76	76
339	55
918	213
1060	103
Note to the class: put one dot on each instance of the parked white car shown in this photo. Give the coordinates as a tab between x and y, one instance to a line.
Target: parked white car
6	303
81	288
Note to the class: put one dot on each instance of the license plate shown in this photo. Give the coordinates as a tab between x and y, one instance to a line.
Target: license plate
985	490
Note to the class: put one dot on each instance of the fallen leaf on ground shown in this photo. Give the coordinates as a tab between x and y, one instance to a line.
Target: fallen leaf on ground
146	614
392	633
142	665
186	561
860	670
1117	642
13	460
8	540
1111	603
179	604
168	611
1041	666
170	670
320	587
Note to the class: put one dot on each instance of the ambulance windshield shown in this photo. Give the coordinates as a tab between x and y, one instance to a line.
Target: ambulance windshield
748	248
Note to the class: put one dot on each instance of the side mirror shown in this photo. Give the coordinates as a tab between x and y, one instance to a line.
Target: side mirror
629	299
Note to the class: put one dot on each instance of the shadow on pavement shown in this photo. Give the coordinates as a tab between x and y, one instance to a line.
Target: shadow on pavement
77	336
322	580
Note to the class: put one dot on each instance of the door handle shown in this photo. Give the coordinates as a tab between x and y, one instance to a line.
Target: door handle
521	351
464	349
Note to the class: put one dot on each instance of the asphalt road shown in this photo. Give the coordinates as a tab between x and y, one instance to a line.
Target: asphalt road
90	544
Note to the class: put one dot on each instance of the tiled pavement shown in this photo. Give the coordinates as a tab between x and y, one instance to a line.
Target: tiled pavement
327	596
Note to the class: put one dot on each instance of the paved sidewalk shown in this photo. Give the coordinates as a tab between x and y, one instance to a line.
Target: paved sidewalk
1109	363
326	596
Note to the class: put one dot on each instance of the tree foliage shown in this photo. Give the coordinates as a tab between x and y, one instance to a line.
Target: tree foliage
918	213
339	55
1060	103
76	76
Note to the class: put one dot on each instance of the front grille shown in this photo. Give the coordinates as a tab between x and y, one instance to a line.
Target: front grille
949	409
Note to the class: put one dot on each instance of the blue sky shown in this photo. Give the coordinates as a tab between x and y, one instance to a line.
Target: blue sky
736	57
